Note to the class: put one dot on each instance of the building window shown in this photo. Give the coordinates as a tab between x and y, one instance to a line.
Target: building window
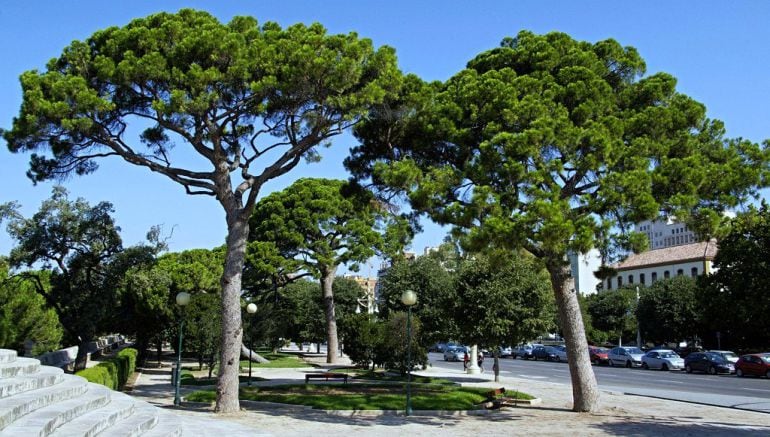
680	272
654	277
630	279
620	281
666	275
694	272
641	278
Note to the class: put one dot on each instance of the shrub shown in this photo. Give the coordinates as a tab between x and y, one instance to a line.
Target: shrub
114	372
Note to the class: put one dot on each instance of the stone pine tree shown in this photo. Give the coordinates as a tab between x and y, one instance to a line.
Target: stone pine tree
318	225
549	144
222	108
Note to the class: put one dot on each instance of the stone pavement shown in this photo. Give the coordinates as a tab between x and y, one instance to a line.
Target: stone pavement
619	414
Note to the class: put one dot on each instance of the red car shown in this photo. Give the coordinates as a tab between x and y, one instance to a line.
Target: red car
753	364
598	355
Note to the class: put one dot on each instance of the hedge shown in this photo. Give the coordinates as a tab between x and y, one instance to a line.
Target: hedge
114	372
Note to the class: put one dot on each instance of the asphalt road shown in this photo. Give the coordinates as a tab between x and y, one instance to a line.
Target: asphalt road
749	393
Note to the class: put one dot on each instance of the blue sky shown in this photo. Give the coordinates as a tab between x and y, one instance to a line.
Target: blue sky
719	51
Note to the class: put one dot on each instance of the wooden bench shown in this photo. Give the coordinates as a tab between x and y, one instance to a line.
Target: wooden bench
326	376
494	400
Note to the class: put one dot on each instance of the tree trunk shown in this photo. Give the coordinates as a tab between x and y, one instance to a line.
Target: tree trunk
496	366
331	321
232	331
254	356
585	392
159	350
82	358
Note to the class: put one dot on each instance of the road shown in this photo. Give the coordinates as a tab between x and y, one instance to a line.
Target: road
748	393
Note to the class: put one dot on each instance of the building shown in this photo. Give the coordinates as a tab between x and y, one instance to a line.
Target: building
368	301
583	266
662	234
645	268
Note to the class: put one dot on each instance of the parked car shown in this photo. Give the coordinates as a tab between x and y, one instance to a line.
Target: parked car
454	353
547	353
525	351
628	356
687	350
709	362
598	355
753	364
506	351
663	359
561	353
728	355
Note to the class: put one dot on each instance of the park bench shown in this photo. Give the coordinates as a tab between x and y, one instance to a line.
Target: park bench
494	401
326	376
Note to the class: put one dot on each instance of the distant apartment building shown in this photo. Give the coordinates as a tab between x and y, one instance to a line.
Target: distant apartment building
668	233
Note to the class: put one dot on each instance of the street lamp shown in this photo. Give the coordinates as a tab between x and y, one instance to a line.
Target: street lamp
182	299
638	328
251	309
409	298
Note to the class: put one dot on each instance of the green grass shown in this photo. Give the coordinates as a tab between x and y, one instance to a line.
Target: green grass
188	378
364	396
277	361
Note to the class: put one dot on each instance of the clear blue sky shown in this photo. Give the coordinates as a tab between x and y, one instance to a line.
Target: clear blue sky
719	51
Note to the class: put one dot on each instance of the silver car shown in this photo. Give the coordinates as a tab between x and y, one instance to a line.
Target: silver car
627	356
454	353
663	359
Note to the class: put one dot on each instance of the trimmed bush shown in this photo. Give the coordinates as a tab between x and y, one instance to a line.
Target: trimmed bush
114	372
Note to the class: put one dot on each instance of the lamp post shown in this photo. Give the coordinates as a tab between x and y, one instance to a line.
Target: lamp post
251	309
409	298
182	299
638	329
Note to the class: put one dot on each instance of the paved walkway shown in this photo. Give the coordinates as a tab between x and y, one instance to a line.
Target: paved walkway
619	415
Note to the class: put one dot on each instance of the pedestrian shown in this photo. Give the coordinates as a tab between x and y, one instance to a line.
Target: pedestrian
466	360
481	361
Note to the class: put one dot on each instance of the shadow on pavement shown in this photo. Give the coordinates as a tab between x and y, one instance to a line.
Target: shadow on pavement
677	426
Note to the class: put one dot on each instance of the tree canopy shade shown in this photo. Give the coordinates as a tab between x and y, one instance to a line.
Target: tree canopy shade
238	96
550	144
317	225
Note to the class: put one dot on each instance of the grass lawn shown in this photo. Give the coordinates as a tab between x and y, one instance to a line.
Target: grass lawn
277	361
188	378
364	396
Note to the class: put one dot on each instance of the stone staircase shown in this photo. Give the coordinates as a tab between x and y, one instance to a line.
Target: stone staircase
40	400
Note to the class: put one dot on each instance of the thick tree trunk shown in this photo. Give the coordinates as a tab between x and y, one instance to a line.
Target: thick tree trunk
232	331
496	366
331	320
585	392
255	357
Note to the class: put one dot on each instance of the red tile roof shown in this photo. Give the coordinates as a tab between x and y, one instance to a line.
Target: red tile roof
705	250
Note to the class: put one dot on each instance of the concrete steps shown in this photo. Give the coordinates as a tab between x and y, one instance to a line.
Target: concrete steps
40	400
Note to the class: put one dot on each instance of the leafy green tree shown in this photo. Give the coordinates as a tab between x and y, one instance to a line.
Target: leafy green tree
736	298
318	225
392	352
249	101
78	241
670	310
436	294
502	299
552	145
364	336
202	326
614	313
24	315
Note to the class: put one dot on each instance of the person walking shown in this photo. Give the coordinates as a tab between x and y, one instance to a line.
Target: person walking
481	361
466	360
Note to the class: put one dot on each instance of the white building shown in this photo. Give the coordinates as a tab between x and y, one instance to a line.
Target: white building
647	267
662	234
583	266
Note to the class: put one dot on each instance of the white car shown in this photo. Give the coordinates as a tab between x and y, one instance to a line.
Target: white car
627	356
728	355
663	359
561	353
